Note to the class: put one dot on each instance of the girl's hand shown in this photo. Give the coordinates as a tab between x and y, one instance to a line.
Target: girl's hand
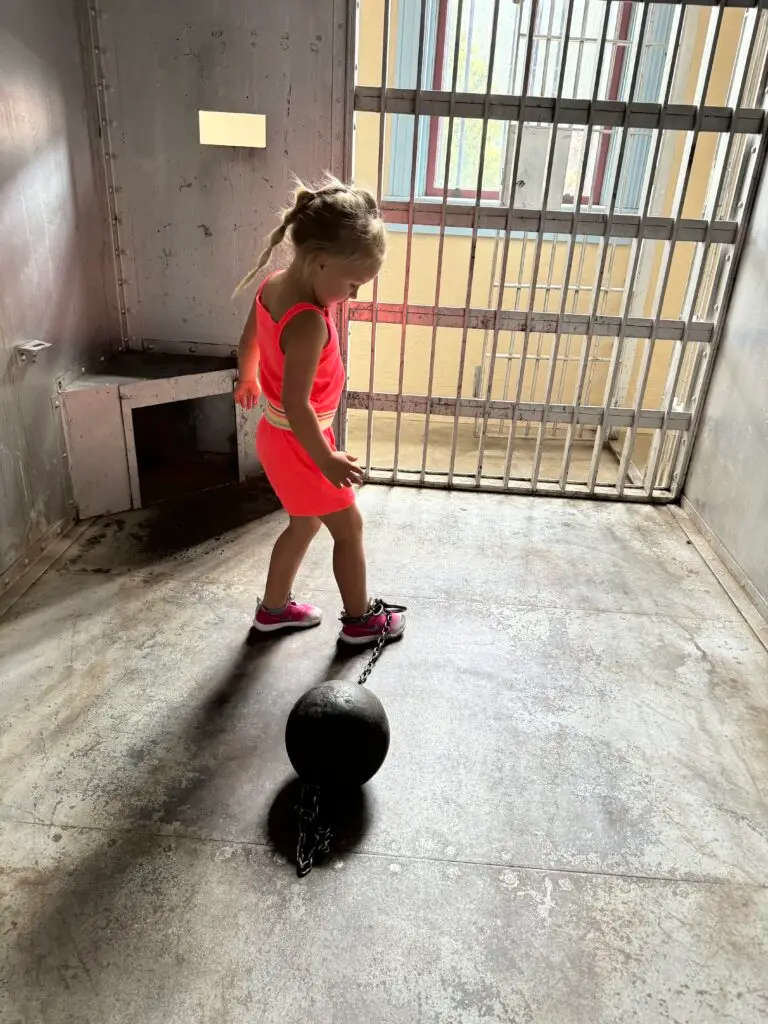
341	471
247	393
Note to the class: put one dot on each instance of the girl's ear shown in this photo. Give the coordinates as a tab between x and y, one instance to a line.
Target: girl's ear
314	261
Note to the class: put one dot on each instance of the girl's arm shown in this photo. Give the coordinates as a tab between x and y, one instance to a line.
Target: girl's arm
247	390
303	341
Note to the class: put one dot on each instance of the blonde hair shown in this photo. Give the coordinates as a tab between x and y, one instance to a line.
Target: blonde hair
332	218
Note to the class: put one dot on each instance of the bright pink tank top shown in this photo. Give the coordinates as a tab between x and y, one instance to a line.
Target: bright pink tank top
329	379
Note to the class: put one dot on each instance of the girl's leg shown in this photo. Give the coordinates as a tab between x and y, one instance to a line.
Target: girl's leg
287	555
346	528
364	621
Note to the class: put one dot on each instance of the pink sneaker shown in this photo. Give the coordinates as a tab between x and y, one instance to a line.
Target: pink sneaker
368	629
293	616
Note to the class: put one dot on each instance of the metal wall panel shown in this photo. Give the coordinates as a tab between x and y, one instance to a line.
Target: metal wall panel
100	481
192	218
728	480
52	258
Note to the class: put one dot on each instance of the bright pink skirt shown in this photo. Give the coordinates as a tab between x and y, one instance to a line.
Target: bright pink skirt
295	479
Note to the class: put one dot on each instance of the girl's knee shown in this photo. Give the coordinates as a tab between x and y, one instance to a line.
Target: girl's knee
355	519
345	525
304	526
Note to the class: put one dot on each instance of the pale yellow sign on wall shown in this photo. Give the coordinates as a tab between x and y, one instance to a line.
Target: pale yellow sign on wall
221	128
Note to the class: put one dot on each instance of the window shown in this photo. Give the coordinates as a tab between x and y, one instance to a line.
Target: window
471	75
468	65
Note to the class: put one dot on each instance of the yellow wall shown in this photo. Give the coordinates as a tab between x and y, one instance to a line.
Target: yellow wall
453	290
412	348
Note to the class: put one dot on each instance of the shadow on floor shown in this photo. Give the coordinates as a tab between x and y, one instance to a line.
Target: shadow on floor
173	526
238	678
136	539
346	812
347	663
140	541
165	788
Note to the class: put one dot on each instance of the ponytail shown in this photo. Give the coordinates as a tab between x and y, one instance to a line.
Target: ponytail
302	200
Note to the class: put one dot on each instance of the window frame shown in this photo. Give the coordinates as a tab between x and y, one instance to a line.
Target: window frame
432	189
618	72
403	125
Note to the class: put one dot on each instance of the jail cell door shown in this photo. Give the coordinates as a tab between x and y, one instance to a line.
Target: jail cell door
566	186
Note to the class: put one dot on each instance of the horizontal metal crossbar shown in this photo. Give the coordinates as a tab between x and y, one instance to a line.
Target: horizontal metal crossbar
527	412
563	222
542	110
468	482
543	323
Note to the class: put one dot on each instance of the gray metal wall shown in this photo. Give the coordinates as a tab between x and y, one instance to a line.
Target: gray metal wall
727	485
52	255
192	217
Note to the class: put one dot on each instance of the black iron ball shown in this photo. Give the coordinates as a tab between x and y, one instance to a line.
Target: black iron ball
337	735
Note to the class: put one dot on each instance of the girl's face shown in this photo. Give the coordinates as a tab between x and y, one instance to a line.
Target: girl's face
335	280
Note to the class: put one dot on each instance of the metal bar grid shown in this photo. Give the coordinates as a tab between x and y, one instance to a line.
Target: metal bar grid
475	228
508	236
441	243
616	369
663	276
537	253
759	37
626	289
386	31
642	383
586	369
349	9
537	356
409	236
507	188
602	250
584	163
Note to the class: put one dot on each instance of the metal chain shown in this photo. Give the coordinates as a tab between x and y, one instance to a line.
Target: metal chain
314	838
377	649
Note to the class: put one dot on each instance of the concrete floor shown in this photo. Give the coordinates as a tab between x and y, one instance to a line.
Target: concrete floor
571	826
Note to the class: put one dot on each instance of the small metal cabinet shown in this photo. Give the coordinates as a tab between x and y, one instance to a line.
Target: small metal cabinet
97	411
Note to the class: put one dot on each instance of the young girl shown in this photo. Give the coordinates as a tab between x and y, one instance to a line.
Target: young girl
290	350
